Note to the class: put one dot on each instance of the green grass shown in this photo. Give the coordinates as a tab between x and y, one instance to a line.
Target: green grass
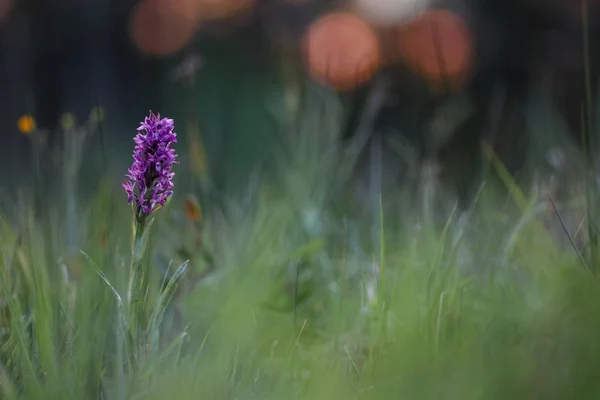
298	292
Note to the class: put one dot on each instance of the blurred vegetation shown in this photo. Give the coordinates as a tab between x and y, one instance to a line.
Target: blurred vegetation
299	290
312	274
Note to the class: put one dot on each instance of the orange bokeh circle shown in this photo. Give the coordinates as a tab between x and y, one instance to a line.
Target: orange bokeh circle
342	51
438	45
163	27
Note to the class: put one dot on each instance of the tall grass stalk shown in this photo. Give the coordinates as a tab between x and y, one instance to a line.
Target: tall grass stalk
588	136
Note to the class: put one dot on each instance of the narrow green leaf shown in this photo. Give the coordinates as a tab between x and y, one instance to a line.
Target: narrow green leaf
161	306
505	176
175	345
104	277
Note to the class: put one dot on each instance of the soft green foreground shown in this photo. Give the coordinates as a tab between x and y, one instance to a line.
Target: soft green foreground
291	297
434	327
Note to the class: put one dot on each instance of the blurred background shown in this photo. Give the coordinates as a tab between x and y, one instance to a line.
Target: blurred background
235	73
335	137
208	59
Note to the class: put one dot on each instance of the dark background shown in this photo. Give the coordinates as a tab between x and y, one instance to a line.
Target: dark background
69	56
58	58
61	56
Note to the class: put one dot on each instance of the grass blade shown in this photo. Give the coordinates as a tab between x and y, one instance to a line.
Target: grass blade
103	277
161	306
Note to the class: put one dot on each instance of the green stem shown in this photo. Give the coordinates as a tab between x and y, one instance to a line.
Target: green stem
137	284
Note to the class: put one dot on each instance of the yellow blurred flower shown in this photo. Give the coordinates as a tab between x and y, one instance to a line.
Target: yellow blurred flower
26	124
